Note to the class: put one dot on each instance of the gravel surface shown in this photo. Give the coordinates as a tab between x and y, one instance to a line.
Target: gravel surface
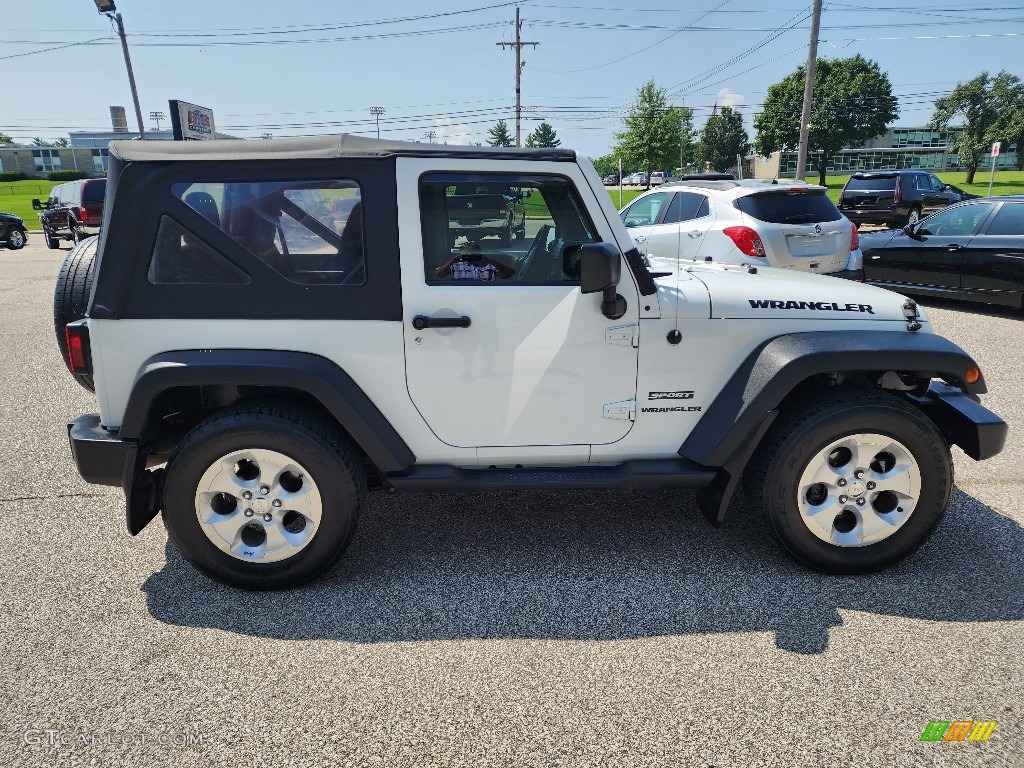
519	629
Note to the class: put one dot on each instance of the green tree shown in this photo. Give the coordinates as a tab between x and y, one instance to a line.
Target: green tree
722	139
5	139
1007	93
655	134
605	165
852	103
543	136
38	142
63	141
499	136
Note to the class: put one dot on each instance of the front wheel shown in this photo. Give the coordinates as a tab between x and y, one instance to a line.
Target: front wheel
16	239
852	481
263	496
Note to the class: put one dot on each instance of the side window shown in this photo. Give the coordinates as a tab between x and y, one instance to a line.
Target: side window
687	206
923	183
310	232
485	228
954	222
1009	220
906	185
180	257
936	183
644	211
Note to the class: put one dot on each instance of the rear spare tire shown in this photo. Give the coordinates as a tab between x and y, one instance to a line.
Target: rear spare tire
71	297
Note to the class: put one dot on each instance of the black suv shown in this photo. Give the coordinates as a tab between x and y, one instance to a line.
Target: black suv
12	231
73	211
896	198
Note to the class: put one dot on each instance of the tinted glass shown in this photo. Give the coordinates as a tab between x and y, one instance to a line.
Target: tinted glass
644	212
1008	221
93	191
294	227
467	220
861	185
686	206
787	208
182	258
955	222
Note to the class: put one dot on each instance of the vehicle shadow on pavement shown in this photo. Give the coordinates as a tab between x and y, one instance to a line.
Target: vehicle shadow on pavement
597	566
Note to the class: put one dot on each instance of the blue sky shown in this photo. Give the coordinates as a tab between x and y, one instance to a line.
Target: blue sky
300	67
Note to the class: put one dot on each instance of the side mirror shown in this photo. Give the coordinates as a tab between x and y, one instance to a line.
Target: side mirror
36	205
600	271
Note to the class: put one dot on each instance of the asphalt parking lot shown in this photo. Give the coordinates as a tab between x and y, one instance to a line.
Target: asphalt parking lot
522	629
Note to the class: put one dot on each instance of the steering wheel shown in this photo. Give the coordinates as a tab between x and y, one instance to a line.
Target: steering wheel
539	240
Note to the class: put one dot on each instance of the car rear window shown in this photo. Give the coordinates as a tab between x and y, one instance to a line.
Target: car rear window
789	208
94	191
879	182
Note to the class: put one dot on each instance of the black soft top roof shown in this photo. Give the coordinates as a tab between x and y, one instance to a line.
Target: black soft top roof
341	145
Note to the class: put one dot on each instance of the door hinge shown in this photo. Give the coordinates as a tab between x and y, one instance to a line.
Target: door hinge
623	335
623	409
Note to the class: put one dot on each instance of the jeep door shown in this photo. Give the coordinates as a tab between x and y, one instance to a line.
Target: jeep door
501	347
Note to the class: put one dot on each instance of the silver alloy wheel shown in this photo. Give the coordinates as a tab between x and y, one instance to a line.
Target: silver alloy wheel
859	490
15	239
258	505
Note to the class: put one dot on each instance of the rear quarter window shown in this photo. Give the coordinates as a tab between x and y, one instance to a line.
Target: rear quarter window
94	191
785	208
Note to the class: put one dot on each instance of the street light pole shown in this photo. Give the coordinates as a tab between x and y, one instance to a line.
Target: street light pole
805	112
376	112
107	8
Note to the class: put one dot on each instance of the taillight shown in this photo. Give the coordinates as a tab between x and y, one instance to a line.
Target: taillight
502	208
79	358
854	237
83	215
898	194
746	239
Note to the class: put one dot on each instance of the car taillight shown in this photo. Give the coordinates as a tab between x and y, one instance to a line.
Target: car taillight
79	357
83	215
897	195
501	207
746	239
854	237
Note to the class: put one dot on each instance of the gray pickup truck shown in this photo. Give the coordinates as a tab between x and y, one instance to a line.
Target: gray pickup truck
482	210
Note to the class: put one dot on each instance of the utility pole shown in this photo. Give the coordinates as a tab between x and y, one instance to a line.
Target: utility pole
805	113
430	135
518	45
157	116
376	112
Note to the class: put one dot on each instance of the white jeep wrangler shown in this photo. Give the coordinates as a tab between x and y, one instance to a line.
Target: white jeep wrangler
258	366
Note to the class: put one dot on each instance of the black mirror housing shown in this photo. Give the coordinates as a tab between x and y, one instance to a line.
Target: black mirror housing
600	267
36	205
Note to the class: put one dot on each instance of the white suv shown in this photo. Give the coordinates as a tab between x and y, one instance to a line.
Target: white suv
791	225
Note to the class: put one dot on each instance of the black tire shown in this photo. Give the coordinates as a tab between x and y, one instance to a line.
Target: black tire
16	238
76	233
52	242
263	430
71	297
913	216
798	440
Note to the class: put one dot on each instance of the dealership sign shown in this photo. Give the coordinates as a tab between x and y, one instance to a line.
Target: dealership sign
190	122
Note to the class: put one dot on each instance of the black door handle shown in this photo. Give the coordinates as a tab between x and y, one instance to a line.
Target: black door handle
422	321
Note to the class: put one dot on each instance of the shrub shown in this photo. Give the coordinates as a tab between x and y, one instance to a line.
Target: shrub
65	175
11	176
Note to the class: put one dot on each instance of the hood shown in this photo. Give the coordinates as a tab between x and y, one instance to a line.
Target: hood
785	294
11	217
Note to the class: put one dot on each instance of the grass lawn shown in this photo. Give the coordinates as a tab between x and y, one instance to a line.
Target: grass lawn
16	197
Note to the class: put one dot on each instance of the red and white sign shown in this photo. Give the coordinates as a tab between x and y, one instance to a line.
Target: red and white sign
995	148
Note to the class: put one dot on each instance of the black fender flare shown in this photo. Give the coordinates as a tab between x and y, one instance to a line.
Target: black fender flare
312	374
732	426
778	366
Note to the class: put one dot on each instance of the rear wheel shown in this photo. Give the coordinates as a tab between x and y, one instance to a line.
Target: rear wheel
914	216
71	297
52	242
76	233
263	496
852	481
